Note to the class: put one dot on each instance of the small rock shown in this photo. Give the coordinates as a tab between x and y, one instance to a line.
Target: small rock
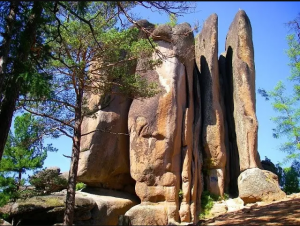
3	222
234	204
218	209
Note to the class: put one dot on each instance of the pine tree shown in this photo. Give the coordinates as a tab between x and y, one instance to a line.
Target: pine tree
22	56
24	150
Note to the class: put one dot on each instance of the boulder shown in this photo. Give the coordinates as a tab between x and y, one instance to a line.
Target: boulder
240	54
49	180
47	209
93	206
206	54
54	168
110	205
259	185
162	32
65	175
149	214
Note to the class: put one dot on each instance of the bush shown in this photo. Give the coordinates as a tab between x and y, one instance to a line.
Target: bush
80	186
8	188
207	202
48	180
291	184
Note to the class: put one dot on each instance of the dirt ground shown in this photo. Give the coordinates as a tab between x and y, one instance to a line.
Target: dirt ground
283	212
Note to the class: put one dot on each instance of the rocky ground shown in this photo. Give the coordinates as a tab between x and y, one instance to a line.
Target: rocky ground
282	212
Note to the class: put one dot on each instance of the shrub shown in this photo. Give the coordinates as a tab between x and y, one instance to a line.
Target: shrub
207	202
48	180
80	186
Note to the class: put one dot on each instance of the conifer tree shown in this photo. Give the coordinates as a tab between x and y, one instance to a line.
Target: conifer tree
24	150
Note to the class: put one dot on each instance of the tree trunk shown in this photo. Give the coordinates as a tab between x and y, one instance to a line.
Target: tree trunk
4	52
19	179
7	37
70	199
12	90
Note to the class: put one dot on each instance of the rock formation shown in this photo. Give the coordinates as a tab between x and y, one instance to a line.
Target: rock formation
153	147
93	206
206	107
163	159
104	154
206	51
226	101
239	50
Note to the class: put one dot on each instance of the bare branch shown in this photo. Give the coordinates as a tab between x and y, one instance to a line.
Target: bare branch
53	100
50	117
67	156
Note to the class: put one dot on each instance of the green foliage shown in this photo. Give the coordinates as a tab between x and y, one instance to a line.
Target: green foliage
207	202
173	20
225	197
8	189
291	181
285	104
74	70
27	52
48	181
180	194
288	178
24	150
80	186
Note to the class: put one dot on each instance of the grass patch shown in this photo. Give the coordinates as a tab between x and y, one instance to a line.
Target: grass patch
54	202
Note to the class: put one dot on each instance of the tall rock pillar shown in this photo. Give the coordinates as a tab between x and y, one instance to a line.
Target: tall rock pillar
239	48
206	51
164	157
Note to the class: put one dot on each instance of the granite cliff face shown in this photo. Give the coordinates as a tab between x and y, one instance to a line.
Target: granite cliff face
199	132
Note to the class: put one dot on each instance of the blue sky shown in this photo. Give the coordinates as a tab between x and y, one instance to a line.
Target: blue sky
269	38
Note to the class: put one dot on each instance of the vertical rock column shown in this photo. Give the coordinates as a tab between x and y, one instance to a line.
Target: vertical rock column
163	160
239	48
104	151
226	100
206	50
191	160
